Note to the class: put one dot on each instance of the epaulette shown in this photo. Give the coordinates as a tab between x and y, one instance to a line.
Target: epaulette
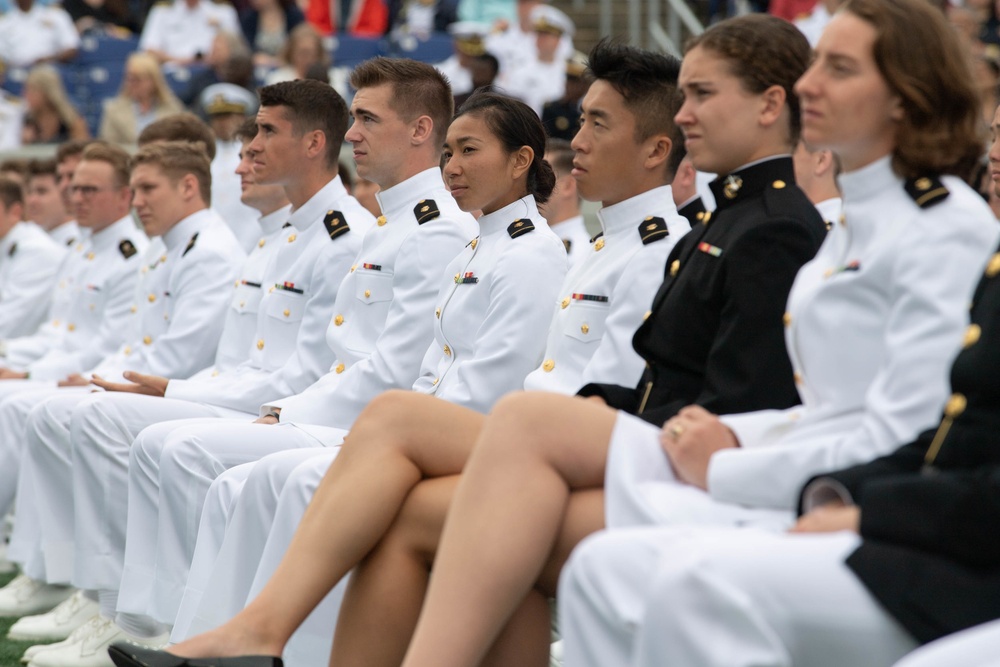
926	191
190	244
335	224
568	243
520	226
13	250
653	229
595	237
426	210
287	224
127	249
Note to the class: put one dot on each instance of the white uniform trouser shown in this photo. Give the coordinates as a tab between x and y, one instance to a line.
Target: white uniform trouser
975	647
264	520
102	430
42	541
12	437
169	476
708	597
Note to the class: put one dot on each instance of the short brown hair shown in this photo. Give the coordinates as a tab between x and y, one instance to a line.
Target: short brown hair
417	90
311	105
559	153
247	130
102	151
40	167
177	159
921	60
10	192
180	127
71	148
762	51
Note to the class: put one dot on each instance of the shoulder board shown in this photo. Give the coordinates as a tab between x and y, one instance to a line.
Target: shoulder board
286	225
926	190
596	236
653	229
190	244
426	211
13	250
335	224
520	226
127	249
163	3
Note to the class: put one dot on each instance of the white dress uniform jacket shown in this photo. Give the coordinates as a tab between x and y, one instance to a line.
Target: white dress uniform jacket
67	234
384	309
29	262
226	192
40	32
491	317
606	295
287	351
573	233
180	302
101	296
183	32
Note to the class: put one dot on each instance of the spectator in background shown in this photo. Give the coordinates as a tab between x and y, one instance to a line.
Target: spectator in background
229	61
467	40
502	12
31	33
562	210
364	18
267	25
484	69
304	50
812	25
543	78
143	98
227	106
50	118
181	31
561	118
514	45
791	10
15	169
11	120
98	14
420	18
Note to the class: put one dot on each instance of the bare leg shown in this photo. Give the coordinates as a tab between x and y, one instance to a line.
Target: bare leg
400	438
505	519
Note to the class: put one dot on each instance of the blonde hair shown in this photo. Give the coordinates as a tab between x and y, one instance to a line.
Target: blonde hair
301	32
45	79
146	65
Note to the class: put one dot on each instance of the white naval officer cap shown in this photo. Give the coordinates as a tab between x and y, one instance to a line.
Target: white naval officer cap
225	98
468	36
546	18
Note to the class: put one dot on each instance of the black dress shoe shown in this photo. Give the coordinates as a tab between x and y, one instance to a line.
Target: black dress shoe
129	655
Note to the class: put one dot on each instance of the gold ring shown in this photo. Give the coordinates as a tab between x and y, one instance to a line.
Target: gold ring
676	431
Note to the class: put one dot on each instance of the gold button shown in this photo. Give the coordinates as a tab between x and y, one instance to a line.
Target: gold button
354	267
147	340
163	258
565	303
339	369
436	380
700	216
585	328
291	237
92	306
675	266
599	244
787	319
134	308
955	406
646	316
447	351
972	335
236	283
338	320
458	276
778	185
71	327
437	313
215	373
708	216
474	243
380	221
55	323
993	267
828	273
127	350
152	298
90	255
287	312
242	303
842	220
260	343
368	293
798	378
548	365
260	244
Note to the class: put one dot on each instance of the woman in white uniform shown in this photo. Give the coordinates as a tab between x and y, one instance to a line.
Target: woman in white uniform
874	322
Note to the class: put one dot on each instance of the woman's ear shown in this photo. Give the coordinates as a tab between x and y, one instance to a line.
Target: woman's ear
772	104
521	161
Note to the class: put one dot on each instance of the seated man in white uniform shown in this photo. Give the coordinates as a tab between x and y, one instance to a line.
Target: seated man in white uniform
29	263
181	31
563	208
274	348
382	326
91	305
47	203
179	307
31	33
603	301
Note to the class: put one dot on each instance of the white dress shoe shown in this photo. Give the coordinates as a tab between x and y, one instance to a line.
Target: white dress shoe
24	596
57	624
88	645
